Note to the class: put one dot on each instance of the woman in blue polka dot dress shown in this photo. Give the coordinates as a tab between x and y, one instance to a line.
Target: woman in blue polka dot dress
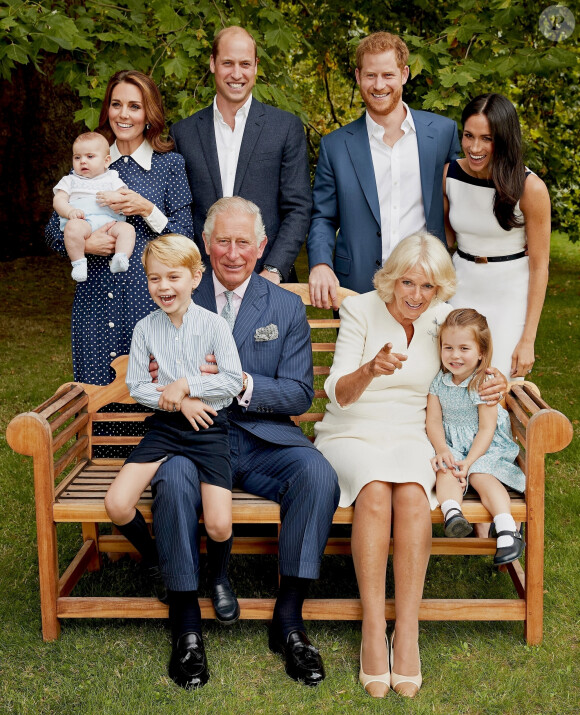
107	306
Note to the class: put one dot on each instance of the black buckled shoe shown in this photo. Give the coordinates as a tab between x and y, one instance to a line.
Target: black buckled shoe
225	603
507	554
303	661
456	525
188	664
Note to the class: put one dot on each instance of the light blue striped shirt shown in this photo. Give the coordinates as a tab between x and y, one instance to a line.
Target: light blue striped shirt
180	352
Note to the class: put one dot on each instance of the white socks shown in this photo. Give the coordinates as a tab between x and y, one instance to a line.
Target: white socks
119	263
79	270
504	522
449	504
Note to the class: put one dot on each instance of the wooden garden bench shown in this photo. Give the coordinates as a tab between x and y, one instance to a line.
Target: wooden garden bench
70	483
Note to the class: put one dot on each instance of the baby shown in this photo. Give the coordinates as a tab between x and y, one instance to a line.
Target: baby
76	203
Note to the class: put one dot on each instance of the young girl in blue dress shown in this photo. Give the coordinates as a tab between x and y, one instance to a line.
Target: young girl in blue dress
472	440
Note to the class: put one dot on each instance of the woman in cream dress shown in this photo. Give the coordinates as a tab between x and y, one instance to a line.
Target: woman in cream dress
373	434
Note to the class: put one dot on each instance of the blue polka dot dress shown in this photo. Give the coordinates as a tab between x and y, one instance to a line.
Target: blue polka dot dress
461	423
107	306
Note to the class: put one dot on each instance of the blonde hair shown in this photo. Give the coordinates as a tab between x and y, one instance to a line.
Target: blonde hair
477	324
234	204
173	249
423	251
93	137
232	30
382	42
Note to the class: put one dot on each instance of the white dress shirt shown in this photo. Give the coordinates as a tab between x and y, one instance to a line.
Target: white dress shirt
156	220
228	143
220	301
398	179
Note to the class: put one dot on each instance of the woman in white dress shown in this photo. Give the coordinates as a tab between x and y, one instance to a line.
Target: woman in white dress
499	214
373	434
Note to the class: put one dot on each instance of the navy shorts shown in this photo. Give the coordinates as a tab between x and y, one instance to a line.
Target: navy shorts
171	434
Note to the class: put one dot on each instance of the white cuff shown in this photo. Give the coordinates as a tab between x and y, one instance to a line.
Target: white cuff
245	399
156	220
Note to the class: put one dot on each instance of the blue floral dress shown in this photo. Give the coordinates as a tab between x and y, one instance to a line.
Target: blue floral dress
461	423
107	306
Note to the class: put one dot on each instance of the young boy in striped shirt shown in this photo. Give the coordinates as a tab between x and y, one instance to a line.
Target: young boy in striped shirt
190	416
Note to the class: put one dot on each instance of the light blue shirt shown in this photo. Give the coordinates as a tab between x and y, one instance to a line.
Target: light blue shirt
180	352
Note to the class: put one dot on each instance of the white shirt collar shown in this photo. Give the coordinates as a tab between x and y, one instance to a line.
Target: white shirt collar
377	130
243	111
240	291
142	154
89	178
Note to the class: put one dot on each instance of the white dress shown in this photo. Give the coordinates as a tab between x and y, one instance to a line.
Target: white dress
381	436
497	290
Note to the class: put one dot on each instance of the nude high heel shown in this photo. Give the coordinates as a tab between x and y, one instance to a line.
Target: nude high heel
397	680
385	678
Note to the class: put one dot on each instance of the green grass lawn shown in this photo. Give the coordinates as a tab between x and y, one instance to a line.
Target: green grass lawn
102	666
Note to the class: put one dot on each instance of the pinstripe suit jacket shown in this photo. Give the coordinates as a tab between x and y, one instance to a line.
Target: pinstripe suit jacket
281	368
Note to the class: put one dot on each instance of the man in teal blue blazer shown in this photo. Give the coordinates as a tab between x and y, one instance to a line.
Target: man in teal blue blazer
378	179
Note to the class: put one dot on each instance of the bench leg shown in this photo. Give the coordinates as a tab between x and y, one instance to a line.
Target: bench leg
91	531
48	580
534	623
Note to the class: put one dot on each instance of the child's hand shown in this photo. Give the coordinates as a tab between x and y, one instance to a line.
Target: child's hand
210	367
197	412
172	395
443	461
76	213
461	472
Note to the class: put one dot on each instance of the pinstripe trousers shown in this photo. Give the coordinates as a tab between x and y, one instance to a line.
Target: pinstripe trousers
297	477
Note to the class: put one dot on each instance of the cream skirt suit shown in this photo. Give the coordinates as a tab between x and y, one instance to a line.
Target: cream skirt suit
381	436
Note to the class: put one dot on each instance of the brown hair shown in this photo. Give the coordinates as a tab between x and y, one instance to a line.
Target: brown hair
477	323
173	249
93	137
152	103
382	42
231	30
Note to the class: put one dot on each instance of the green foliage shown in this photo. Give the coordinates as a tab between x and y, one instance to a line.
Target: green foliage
459	48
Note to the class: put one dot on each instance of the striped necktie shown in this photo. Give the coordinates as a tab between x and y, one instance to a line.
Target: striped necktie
229	312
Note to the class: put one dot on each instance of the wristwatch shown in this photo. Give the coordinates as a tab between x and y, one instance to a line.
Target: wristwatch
244	384
272	269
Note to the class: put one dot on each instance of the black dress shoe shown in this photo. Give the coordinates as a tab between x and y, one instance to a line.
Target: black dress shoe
303	662
188	664
507	554
456	525
225	603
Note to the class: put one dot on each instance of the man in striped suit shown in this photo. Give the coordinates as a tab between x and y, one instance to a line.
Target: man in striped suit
270	455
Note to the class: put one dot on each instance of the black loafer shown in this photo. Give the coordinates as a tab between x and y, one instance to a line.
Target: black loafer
225	603
507	554
188	664
303	661
456	525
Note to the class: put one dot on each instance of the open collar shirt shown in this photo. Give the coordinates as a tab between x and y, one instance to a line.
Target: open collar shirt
398	179
228	143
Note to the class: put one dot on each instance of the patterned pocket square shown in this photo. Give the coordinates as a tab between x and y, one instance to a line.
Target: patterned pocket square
268	332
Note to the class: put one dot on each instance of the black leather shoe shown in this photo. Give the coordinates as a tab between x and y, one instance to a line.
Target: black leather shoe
225	603
188	664
456	525
507	554
303	662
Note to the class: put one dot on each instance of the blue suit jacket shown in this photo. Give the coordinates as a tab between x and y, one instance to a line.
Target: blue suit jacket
346	199
272	172
281	369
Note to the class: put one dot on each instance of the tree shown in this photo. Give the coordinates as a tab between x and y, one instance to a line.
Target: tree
459	48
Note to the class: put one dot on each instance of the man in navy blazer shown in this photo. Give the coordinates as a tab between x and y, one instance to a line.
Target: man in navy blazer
241	147
378	179
270	455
